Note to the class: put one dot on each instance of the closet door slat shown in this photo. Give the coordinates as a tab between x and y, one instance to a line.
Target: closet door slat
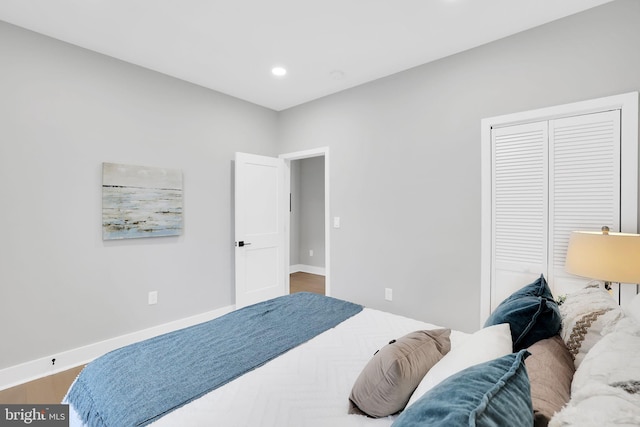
584	187
519	205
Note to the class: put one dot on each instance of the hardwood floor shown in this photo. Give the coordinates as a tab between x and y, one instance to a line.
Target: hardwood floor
306	282
52	389
45	390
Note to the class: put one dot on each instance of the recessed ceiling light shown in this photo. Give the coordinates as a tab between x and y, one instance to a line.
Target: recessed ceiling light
279	71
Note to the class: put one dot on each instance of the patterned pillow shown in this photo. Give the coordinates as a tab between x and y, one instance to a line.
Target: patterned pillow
605	389
587	315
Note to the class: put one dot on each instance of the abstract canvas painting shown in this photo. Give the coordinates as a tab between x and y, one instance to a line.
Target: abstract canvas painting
140	201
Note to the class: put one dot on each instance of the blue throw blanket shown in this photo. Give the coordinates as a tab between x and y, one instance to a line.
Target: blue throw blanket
137	384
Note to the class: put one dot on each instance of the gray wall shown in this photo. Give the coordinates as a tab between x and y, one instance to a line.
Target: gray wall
294	214
64	111
311	211
307	212
405	176
405	155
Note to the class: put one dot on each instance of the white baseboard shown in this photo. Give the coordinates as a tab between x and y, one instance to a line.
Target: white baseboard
306	269
38	368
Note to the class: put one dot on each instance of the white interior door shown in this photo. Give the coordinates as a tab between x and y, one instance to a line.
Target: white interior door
519	207
584	186
260	208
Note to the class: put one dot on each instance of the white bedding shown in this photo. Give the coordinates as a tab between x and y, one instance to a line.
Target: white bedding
605	389
308	386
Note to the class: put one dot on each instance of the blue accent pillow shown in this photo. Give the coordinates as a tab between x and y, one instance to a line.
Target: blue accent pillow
539	288
531	312
491	394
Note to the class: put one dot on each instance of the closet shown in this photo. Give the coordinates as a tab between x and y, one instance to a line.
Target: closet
547	173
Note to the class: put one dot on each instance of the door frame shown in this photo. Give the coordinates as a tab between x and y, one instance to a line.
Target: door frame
306	154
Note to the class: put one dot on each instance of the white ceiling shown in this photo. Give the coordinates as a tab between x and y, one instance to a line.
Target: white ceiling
231	45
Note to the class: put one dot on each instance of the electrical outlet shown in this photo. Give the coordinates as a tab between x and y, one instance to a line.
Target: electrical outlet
388	294
153	297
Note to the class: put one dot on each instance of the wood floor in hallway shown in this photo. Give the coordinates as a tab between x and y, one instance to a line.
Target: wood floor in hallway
306	282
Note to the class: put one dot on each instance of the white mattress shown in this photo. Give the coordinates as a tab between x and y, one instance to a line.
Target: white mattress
308	386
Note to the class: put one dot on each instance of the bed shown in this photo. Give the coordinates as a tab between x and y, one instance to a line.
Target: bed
366	367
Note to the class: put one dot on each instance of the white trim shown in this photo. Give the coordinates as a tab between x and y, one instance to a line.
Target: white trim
287	224
315	152
38	368
311	269
615	102
627	103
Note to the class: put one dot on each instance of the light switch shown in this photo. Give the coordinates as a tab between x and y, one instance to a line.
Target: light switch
336	222
153	297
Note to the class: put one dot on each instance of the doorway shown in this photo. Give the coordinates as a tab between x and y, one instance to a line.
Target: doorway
306	219
308	228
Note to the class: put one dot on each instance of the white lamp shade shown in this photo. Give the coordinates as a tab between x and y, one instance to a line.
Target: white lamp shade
612	257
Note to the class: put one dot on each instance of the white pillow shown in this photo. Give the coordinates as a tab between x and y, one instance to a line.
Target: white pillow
633	308
605	386
599	405
487	344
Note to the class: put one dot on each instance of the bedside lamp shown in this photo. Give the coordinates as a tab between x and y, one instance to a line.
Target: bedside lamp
610	257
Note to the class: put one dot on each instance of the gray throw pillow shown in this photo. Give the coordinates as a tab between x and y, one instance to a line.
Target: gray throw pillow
387	381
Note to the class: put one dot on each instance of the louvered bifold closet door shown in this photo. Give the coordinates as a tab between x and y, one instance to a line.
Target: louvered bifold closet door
519	207
584	187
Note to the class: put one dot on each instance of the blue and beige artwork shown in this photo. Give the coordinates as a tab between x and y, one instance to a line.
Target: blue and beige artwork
140	201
